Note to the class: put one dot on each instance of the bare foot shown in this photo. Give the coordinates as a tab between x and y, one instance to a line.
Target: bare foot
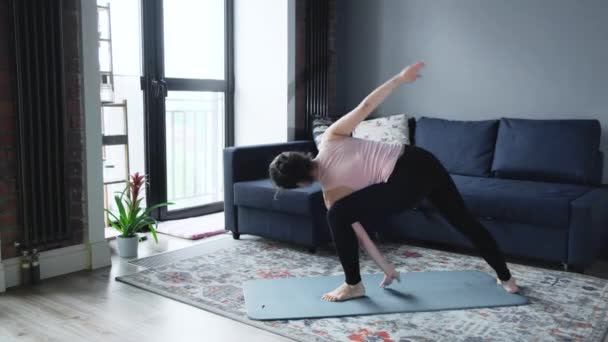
390	276
345	292
509	285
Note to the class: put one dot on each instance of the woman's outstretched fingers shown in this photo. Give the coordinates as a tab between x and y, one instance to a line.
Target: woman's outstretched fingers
389	277
386	281
410	73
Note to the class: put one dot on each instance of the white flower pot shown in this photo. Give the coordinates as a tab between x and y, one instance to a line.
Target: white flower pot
127	247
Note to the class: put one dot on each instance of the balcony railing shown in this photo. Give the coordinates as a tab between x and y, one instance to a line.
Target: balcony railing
195	139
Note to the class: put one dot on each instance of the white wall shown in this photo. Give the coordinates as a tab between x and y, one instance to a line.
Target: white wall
261	70
97	249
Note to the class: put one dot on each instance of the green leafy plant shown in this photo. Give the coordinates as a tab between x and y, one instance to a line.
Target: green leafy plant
131	217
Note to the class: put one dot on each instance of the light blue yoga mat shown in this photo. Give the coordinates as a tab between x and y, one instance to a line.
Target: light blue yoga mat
293	298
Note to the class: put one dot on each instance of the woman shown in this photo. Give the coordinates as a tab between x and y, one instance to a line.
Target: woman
365	179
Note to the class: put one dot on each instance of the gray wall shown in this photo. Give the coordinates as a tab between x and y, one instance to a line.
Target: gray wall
540	59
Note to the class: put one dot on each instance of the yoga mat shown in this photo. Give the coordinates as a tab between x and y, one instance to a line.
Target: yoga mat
294	298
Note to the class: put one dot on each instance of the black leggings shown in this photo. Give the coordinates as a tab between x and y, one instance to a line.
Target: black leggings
418	174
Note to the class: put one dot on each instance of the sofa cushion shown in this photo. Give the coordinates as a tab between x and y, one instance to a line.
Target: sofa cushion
463	147
393	129
548	150
543	204
262	194
319	126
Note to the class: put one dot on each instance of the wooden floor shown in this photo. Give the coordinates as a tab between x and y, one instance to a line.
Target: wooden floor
92	306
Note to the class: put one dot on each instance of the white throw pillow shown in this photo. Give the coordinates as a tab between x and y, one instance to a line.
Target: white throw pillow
392	129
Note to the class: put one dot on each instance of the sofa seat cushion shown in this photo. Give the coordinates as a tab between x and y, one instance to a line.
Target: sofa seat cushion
262	194
544	204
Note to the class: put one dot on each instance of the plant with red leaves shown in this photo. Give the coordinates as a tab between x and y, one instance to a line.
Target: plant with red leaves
131	217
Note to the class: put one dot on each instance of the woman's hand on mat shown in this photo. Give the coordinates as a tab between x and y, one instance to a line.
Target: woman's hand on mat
411	73
390	275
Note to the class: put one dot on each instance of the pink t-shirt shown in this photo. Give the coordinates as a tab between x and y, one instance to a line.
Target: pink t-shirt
355	163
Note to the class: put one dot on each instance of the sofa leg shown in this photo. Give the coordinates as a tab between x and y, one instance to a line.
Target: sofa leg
577	269
236	235
312	250
573	268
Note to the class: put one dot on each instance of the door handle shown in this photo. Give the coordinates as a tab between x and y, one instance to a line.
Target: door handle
155	87
164	89
158	88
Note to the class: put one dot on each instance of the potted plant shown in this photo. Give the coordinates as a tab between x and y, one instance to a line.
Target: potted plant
132	218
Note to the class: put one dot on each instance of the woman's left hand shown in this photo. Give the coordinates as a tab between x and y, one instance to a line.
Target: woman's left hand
411	72
390	275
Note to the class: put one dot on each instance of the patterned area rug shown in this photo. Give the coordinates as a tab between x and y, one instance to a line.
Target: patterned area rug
564	306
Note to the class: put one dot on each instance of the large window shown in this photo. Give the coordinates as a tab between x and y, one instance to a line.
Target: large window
188	88
122	106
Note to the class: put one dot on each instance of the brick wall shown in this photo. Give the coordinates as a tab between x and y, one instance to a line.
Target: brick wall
9	223
9	219
75	112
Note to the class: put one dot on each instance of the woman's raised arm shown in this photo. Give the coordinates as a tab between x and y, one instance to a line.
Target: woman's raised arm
346	124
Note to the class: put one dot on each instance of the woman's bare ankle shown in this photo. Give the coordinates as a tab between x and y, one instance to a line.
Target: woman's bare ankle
509	285
345	292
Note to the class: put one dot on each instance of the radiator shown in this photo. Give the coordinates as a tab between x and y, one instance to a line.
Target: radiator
41	121
317	50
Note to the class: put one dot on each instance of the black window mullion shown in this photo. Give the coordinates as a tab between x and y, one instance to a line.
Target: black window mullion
152	105
229	72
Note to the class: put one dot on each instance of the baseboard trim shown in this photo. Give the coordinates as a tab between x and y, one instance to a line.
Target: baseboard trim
99	255
11	272
60	261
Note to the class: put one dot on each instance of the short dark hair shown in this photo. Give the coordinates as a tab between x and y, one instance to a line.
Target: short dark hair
289	168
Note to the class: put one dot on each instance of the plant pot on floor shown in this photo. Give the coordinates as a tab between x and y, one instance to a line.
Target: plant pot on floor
127	246
129	217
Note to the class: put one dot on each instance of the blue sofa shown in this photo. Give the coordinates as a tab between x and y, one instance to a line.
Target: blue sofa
535	184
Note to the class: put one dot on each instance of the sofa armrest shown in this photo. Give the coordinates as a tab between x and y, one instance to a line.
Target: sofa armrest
599	168
245	163
588	227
